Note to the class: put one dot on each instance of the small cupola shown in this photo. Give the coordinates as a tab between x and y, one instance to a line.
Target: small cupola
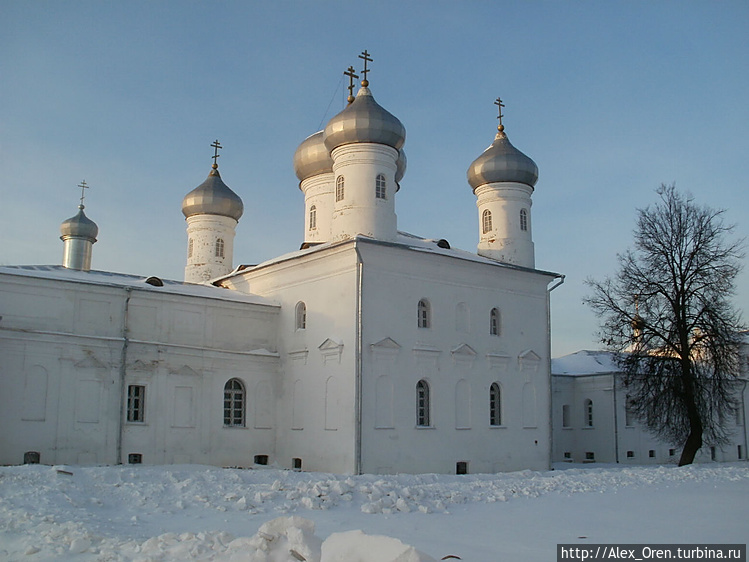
78	234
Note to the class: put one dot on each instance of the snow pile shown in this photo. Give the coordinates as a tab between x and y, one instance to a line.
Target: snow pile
150	513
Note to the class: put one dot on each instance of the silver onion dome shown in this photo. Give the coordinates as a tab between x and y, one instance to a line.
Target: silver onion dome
312	157
79	226
364	120
502	162
400	170
213	197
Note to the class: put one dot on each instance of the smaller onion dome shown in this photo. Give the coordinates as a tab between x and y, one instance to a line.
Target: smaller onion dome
364	120
400	170
502	162
213	197
79	226
312	158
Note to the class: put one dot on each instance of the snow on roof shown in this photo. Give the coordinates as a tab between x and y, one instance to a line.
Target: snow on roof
585	362
107	278
404	239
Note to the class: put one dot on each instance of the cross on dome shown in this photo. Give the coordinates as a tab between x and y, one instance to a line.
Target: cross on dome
366	58
83	187
216	155
500	105
350	73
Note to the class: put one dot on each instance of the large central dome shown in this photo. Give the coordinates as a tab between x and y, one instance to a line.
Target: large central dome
364	120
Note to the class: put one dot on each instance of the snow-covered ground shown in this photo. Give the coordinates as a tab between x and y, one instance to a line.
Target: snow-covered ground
204	513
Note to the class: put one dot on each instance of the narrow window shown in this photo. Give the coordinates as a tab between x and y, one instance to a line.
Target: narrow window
220	248
630	454
296	463
423	314
461	467
671	452
380	191
190	247
565	415
313	218
495	405
651	453
494	322
136	402
523	219
486	221
740	452
629	418
422	403
301	316
234	403
588	413
712	453
339	188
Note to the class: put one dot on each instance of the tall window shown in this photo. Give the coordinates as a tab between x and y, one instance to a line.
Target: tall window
495	405
339	188
565	415
301	316
588	411
220	248
136	403
190	247
486	221
234	397
380	192
422	404
423	314
494	327
523	219
312	217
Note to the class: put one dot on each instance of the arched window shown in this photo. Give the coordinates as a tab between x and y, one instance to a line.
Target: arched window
312	217
234	397
523	219
380	191
494	322
220	248
301	316
486	221
422	404
339	188
495	405
190	247
423	314
588	412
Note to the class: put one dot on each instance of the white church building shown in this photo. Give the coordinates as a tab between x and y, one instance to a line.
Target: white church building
368	350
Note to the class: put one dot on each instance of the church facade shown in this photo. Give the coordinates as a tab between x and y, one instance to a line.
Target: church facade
369	350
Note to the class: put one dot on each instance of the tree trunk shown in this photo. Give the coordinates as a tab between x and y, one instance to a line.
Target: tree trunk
693	444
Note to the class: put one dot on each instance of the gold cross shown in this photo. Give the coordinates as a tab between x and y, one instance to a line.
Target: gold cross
215	146
350	73
365	56
83	187
500	105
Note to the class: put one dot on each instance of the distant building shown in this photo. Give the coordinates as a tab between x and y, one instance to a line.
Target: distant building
367	350
591	422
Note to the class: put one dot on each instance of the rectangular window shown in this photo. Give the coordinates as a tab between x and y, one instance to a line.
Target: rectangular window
671	452
135	458
565	415
630	454
136	403
741	453
590	456
461	467
296	463
651	453
567	456
712	453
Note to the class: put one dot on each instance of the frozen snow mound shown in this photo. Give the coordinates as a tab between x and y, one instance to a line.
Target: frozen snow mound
356	546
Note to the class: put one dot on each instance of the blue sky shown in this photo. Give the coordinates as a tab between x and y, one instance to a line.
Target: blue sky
610	99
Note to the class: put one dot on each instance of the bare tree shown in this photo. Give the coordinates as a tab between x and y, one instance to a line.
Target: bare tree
668	312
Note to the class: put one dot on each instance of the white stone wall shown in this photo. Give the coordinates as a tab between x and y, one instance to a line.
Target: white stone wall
459	358
69	350
318	192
